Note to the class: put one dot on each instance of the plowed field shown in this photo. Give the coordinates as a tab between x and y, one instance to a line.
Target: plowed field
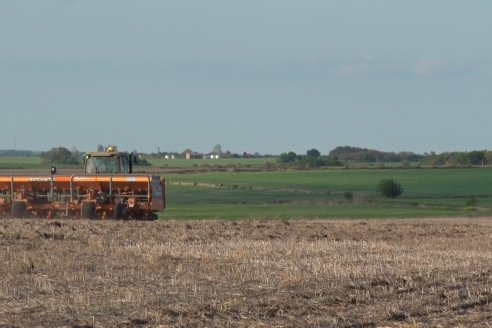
273	273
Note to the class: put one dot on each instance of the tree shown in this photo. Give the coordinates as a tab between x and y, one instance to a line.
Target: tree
217	149
288	157
59	155
475	157
76	153
389	188
313	153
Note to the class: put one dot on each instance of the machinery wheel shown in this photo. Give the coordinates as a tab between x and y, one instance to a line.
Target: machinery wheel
88	210
19	209
152	217
118	211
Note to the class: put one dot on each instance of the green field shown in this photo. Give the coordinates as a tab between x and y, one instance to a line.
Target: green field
20	162
428	192
323	194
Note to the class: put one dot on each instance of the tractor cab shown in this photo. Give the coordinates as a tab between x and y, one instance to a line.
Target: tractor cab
109	161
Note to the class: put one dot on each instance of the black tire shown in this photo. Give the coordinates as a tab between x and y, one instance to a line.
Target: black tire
152	217
118	211
88	210
19	209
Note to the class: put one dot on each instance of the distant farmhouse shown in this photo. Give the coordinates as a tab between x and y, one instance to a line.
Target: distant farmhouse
212	156
195	155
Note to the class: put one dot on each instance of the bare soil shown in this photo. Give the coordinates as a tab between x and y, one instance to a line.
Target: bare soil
403	273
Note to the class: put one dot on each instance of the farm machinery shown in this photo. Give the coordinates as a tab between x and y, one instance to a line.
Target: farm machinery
108	189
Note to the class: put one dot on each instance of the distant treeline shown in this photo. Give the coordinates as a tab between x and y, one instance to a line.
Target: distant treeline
348	153
343	155
477	157
312	159
355	154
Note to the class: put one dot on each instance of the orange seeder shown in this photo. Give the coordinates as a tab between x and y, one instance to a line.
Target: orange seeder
108	189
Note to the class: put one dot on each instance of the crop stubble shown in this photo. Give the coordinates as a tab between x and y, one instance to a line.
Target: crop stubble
79	273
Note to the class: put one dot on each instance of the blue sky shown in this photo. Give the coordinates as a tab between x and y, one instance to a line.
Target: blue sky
264	76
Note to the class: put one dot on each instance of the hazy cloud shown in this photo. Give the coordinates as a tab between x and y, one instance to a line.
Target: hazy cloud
429	67
367	65
436	68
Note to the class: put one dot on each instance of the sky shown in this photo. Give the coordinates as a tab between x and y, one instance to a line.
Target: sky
267	76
